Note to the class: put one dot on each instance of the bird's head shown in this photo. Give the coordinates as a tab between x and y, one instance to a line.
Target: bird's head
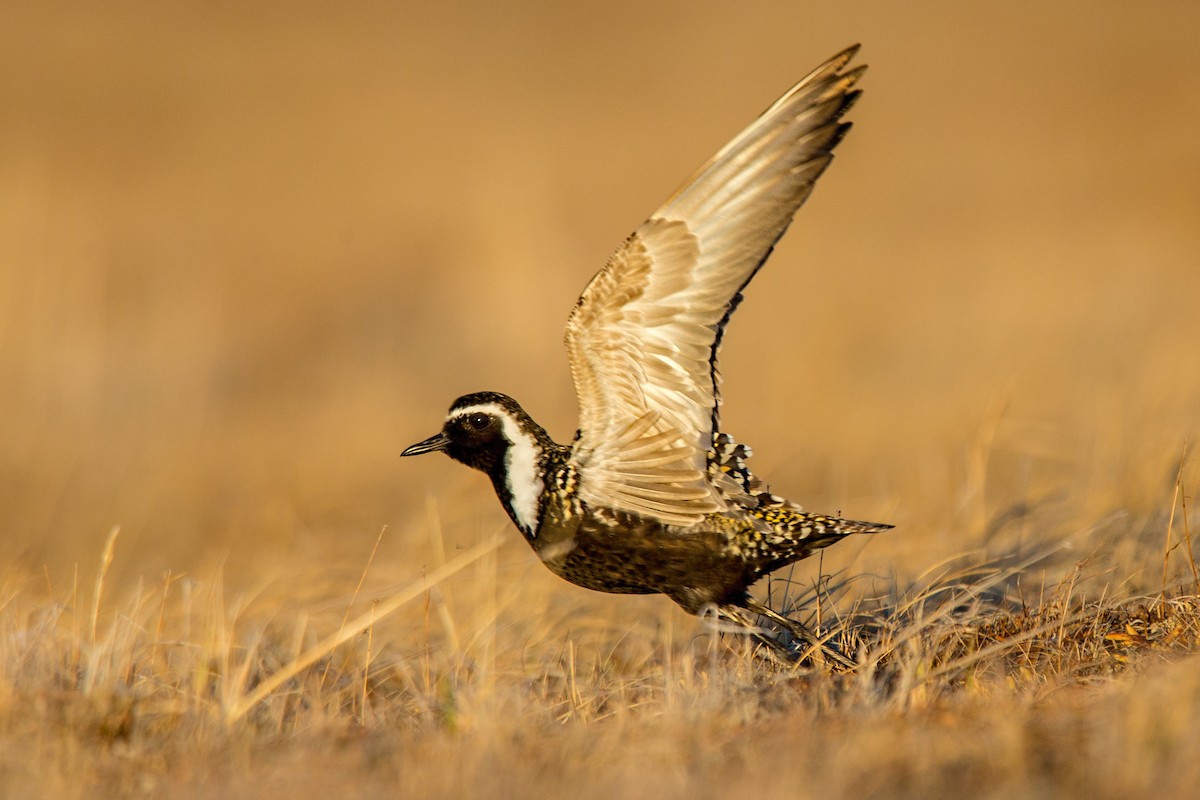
480	429
492	433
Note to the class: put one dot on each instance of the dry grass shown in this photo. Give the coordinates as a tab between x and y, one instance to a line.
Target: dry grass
962	687
247	254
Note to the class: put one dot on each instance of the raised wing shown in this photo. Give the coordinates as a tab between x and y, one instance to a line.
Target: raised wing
644	336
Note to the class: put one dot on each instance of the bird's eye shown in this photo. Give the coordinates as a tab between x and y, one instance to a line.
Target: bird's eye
478	421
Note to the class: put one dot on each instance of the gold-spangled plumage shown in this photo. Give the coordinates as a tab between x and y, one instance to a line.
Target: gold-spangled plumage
652	496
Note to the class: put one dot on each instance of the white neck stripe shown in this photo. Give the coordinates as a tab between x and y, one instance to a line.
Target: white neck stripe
522	465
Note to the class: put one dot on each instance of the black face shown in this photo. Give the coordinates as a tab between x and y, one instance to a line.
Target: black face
474	431
476	439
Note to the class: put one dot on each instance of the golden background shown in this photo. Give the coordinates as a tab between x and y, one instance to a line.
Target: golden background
248	252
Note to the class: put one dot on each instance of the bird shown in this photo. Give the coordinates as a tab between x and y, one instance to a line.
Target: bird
651	496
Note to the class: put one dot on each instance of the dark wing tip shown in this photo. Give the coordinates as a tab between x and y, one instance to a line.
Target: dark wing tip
845	55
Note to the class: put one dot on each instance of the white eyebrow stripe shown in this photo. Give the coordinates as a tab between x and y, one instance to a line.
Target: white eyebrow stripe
522	465
485	408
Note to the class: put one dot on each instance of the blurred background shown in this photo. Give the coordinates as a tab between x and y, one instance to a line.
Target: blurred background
250	251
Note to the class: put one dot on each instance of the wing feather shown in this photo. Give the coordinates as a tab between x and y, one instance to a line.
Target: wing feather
644	336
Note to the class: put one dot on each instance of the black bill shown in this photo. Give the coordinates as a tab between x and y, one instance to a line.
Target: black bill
433	444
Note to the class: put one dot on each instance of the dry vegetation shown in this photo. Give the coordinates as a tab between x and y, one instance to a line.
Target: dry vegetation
961	688
247	254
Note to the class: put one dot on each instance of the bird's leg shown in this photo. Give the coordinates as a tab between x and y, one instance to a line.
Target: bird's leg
800	632
745	626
